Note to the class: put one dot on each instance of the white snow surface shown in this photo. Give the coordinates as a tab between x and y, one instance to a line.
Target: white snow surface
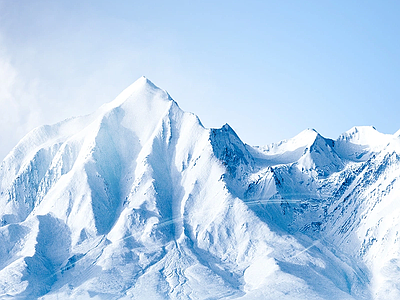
139	201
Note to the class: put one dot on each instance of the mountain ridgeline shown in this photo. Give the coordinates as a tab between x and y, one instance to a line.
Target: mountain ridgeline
139	201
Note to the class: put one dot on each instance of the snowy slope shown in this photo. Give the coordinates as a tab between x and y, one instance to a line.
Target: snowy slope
139	201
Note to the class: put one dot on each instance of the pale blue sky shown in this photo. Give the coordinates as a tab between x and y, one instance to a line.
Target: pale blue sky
268	68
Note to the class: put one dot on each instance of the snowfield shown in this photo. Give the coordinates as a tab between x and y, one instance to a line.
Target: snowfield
139	201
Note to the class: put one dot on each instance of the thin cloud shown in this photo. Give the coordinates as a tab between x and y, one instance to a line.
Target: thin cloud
19	108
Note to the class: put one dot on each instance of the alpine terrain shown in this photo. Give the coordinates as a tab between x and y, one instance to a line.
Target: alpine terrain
139	201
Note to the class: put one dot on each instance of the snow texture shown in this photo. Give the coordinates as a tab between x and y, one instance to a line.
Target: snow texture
139	201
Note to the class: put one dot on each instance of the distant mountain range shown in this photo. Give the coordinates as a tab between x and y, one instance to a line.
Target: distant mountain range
139	201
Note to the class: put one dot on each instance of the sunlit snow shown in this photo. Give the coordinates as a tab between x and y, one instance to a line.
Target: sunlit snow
139	201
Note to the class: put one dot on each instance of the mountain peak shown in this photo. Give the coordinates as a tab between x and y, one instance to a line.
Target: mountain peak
361	130
142	90
140	83
308	136
144	81
364	135
304	139
360	142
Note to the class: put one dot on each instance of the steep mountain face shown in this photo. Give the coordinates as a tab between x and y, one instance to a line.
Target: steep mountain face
139	201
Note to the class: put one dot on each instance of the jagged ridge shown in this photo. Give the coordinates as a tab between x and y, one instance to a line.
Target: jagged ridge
138	200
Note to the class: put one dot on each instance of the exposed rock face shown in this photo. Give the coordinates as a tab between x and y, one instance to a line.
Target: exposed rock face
139	201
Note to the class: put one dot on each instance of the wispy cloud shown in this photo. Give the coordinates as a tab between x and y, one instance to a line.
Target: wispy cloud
19	107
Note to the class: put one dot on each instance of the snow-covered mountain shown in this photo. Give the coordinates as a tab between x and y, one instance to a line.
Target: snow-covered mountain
139	201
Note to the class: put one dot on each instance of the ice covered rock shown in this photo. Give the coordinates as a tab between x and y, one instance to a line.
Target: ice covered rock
139	201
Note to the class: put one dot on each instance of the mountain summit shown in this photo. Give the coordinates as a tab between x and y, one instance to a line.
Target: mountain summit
139	201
